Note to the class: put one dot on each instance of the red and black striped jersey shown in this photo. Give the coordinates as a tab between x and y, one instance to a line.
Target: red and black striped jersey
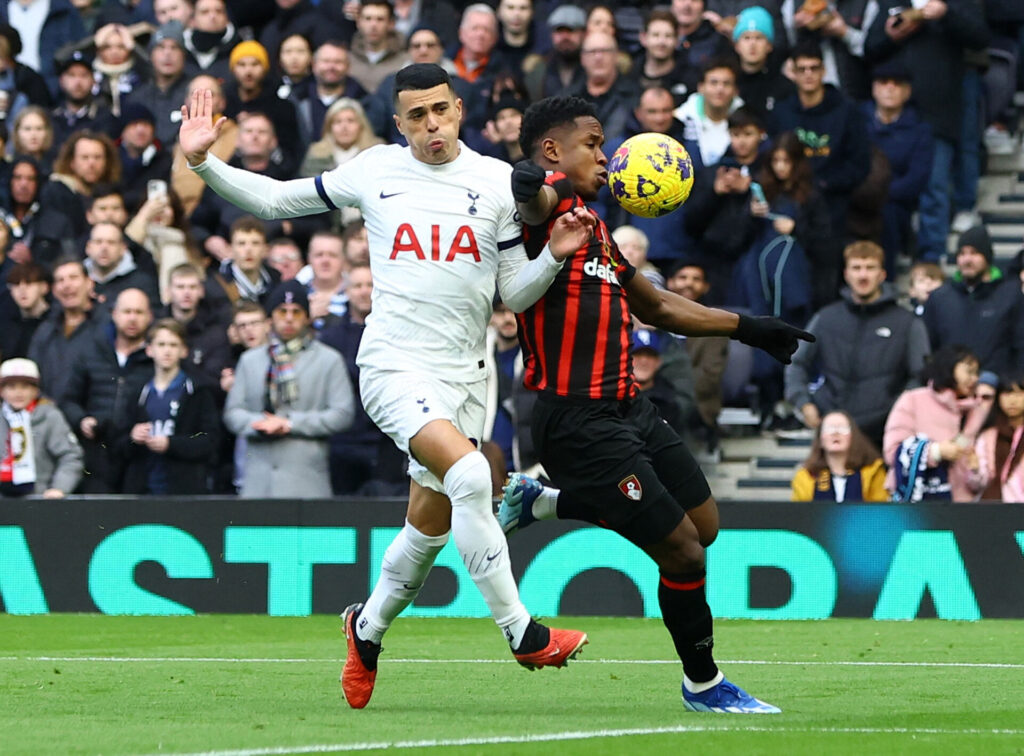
576	338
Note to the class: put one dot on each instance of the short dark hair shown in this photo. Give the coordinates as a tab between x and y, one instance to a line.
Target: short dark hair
807	48
938	367
721	61
63	260
548	114
104	190
382	3
420	76
29	272
248	223
743	117
660	14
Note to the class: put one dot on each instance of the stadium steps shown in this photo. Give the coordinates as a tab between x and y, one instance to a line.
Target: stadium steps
756	468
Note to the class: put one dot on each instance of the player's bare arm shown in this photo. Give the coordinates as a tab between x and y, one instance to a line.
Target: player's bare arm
672	312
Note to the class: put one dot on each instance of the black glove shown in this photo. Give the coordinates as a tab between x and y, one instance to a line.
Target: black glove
774	336
527	180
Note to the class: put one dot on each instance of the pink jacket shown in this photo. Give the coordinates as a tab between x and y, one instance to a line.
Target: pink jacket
937	415
1013	486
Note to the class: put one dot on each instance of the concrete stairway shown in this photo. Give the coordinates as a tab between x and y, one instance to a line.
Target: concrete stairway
756	467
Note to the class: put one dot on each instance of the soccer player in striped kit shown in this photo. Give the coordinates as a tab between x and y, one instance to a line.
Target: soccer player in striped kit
443	232
614	461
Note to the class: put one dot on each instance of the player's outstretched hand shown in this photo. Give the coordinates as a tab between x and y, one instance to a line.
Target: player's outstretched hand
527	179
198	132
570	232
774	336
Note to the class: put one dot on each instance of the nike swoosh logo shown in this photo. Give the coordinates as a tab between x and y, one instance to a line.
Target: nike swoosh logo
388	196
492	558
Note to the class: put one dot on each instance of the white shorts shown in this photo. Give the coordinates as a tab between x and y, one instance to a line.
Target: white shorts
402	403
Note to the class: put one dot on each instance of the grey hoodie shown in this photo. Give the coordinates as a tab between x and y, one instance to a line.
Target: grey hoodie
58	453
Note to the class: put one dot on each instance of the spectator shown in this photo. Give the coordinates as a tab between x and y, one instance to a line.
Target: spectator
344	134
708	357
633	244
357	244
377	49
843	466
250	328
143	158
103	384
978	307
29	285
930	432
286	401
796	208
77	108
760	85
40	453
516	38
33	136
718	213
925	277
705	115
209	40
609	91
118	68
699	41
161	228
326	278
558	70
13	100
44	27
107	205
834	135
439	15
112	266
186	183
300	17
86	160
165	92
329	84
243	274
173	436
125	12
165	11
896	129
1000	447
658	65
500	137
284	256
361	457
38	232
294	62
60	337
931	44
475	59
205	325
248	93
25	79
646	355
868	349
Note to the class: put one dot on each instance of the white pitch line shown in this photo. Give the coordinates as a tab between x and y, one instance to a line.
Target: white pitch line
756	662
584	735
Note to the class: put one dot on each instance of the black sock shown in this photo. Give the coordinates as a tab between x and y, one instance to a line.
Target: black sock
536	637
685	611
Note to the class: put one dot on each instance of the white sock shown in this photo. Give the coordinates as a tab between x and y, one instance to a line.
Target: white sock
545	506
694	687
403	570
482	545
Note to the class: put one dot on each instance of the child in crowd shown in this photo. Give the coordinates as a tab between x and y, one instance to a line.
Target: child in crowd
925	277
174	436
40	453
246	275
1000	447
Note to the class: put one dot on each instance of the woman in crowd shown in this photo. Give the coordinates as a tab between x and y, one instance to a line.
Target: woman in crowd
930	433
346	133
33	136
38	232
163	229
295	61
1000	447
119	66
843	465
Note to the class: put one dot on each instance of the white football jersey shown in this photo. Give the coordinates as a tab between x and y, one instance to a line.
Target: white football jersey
436	235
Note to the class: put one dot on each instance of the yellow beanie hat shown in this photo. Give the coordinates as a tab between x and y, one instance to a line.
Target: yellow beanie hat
249	49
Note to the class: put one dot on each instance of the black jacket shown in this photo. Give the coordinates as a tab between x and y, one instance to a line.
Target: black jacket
988	319
209	351
190	451
56	353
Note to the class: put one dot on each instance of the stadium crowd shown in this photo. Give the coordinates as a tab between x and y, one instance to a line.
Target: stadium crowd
156	340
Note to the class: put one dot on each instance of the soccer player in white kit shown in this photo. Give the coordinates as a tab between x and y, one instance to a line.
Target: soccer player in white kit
443	231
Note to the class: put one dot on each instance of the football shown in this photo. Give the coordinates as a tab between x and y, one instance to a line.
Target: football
650	175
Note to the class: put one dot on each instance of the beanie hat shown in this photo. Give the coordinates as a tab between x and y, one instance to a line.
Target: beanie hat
19	369
977	237
172	30
754	19
508	99
249	49
289	292
136	111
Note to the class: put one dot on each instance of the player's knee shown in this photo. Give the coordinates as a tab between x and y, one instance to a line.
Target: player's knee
705	520
684	556
468	482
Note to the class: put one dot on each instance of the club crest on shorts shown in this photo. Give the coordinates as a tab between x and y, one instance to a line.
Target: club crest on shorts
631	488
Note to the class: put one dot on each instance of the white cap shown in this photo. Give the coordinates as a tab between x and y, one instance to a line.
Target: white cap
20	368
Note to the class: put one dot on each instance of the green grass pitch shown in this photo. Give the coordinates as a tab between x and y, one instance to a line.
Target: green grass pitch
220	685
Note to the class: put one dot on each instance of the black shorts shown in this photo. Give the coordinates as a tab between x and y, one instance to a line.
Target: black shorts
618	465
